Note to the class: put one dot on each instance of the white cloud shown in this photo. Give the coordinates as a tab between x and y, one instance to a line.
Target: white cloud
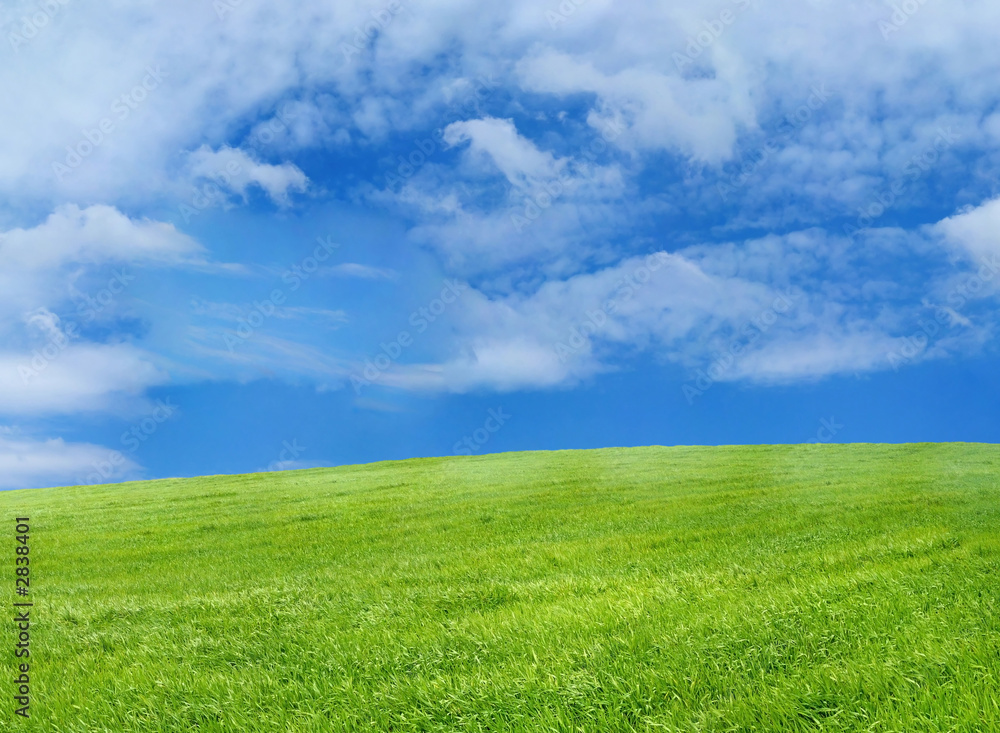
46	365
95	234
46	265
811	356
64	377
799	307
698	118
32	463
975	231
213	106
260	55
551	212
363	272
571	329
520	161
236	170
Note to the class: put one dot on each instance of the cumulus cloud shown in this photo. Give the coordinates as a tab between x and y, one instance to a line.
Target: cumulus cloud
62	376
94	234
975	231
73	249
235	170
773	310
569	330
29	463
626	63
48	365
698	118
518	202
517	158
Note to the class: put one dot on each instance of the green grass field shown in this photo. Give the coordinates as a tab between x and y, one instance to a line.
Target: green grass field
774	588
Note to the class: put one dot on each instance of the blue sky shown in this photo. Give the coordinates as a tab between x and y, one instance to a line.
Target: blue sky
239	237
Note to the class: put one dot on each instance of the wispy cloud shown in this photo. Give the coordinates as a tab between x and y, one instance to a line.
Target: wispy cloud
363	272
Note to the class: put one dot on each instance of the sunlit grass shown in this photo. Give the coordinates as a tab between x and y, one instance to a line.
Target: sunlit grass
786	588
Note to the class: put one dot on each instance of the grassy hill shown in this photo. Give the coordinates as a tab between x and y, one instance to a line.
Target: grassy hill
773	588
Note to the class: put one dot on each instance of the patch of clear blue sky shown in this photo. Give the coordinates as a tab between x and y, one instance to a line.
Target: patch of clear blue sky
226	427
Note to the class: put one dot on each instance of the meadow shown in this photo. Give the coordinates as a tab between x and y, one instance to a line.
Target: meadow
764	588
